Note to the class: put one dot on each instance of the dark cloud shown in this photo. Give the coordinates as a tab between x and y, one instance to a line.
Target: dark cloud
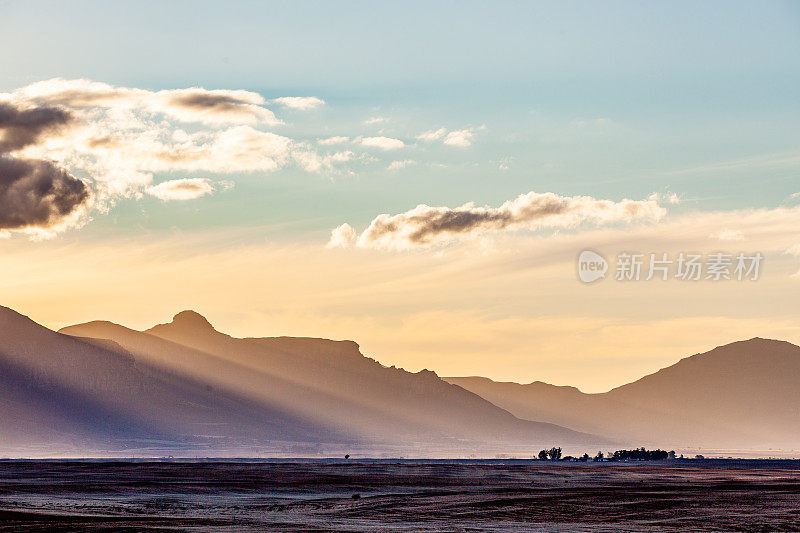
211	106
38	194
425	224
34	193
22	127
206	101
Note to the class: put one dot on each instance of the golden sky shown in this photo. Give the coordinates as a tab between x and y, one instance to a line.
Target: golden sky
507	305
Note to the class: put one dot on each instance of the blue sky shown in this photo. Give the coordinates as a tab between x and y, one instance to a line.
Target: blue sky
661	89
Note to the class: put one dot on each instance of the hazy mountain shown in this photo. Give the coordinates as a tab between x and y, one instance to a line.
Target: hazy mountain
60	394
184	386
329	385
744	394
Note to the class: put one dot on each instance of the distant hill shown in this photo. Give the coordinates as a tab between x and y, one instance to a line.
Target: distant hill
329	386
744	394
65	395
184	388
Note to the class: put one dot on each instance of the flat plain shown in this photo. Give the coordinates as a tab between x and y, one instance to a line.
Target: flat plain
384	495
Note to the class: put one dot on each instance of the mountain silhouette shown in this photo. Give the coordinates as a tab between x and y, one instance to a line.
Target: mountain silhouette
183	387
329	385
64	394
742	395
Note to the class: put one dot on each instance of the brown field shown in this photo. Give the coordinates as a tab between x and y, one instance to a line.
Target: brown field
401	496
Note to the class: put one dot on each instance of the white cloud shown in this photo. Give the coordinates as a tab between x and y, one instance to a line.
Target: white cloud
333	140
341	157
342	237
425	225
302	103
181	189
668	197
460	138
384	143
376	120
314	162
119	138
397	165
432	135
238	149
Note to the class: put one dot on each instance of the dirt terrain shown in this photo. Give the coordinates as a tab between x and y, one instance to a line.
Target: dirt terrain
724	495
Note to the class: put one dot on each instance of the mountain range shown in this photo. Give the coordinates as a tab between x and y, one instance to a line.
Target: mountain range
742	395
184	388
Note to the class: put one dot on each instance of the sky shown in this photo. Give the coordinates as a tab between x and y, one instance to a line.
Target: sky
417	176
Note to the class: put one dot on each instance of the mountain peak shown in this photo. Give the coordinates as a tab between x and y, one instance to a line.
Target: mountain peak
191	320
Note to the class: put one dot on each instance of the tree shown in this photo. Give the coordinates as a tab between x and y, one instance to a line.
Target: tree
554	453
639	454
599	456
543	455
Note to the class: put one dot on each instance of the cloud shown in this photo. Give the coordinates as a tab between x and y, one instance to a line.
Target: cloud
38	195
333	140
397	165
212	107
121	133
314	162
120	138
78	93
120	153
432	135
376	120
341	157
302	103
425	225
460	138
240	148
122	161
21	127
668	197
384	143
342	236
181	189
194	104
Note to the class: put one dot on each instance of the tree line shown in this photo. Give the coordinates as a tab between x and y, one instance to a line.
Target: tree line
636	454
